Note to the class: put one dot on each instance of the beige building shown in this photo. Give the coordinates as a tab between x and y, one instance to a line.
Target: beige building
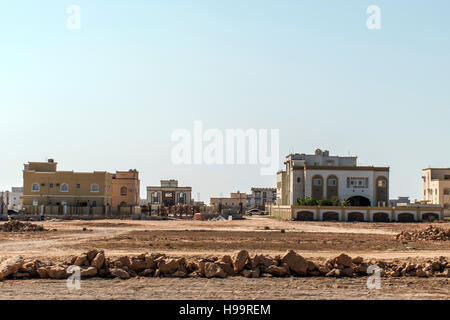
237	200
436	187
168	194
320	176
44	185
125	188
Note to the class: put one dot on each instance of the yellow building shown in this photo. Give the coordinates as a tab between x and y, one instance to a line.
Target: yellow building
125	188
237	200
44	185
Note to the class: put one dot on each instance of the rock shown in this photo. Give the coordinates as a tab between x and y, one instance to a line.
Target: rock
344	260
125	261
9	266
171	266
81	260
361	269
120	273
42	272
312	266
147	272
138	265
314	273
29	267
57	272
240	260
213	270
332	273
346	272
91	254
98	260
256	273
262	260
247	273
88	272
278	271
324	270
157	273
358	260
180	274
226	259
295	262
227	267
421	273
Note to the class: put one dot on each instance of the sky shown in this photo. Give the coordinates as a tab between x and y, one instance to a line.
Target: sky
108	96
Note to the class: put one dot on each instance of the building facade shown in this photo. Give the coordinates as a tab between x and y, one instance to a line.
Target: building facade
237	200
258	197
324	177
15	198
436	187
125	188
44	185
168	194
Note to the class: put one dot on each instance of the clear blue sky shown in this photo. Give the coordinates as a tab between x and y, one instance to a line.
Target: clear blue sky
109	95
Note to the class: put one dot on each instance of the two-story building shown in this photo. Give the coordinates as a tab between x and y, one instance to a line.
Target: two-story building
436	187
321	176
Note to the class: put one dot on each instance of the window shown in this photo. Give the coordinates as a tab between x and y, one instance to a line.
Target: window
64	187
381	183
258	194
446	205
446	191
264	195
298	180
123	191
94	203
317	182
78	186
35	187
63	202
51	185
358	182
35	202
332	182
95	188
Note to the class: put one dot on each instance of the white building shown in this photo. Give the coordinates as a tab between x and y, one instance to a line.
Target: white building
436	187
15	198
321	176
168	194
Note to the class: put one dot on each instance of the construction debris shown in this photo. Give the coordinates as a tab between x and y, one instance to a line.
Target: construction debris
94	263
17	226
429	233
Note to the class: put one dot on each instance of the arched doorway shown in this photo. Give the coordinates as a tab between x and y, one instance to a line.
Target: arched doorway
381	217
430	217
305	216
405	217
330	216
355	216
359	201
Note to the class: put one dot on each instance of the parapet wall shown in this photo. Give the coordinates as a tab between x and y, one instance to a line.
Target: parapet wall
363	214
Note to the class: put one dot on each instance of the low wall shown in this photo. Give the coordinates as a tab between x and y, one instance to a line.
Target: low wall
71	211
363	214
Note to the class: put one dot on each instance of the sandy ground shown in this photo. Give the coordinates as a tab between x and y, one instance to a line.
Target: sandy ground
314	240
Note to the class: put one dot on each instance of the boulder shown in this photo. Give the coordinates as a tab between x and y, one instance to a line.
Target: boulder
295	262
213	270
421	273
29	267
262	260
119	273
19	275
240	260
227	267
344	260
226	259
346	272
180	274
125	261
57	272
247	273
256	273
324	270
81	260
88	272
281	271
147	272
42	272
358	260
172	266
312	266
91	254
9	266
98	260
138	265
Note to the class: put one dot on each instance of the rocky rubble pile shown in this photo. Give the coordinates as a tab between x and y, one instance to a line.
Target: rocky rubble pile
17	226
94	264
429	233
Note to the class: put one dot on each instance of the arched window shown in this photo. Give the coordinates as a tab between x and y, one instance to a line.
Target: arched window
95	188
35	187
123	191
317	187
64	187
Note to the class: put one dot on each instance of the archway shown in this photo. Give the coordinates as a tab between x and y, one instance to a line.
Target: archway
381	217
305	216
405	217
330	216
359	201
430	216
355	216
